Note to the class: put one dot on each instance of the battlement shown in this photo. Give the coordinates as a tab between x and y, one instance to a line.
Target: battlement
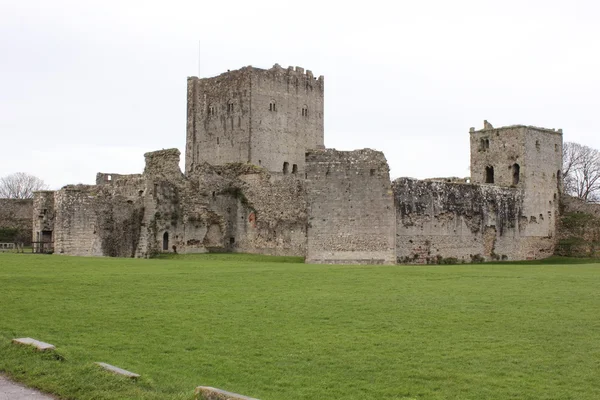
487	128
275	71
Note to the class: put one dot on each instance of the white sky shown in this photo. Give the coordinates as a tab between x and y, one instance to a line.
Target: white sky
89	86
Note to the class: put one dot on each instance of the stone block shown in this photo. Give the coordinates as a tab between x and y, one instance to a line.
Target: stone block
41	346
210	393
118	370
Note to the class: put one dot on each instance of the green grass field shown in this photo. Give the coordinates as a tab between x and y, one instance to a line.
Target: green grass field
277	329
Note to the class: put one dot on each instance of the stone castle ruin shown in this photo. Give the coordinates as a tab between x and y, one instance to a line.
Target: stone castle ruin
258	179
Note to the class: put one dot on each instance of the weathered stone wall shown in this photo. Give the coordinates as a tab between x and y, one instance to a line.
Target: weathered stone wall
263	213
75	223
350	208
44	213
578	228
264	117
218	119
176	214
439	222
16	219
529	158
287	118
451	222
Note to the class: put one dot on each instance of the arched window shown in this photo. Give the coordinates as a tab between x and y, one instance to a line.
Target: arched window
211	110
286	167
295	169
166	241
489	174
516	173
272	106
230	106
305	111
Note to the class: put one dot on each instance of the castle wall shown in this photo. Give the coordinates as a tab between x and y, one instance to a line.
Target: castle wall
75	223
16	219
43	216
262	214
218	119
350	208
287	117
439	221
264	117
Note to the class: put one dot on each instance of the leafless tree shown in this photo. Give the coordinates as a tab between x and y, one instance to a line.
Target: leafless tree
581	171
20	186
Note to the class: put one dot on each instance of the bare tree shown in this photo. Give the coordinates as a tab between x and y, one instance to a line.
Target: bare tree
20	186
581	171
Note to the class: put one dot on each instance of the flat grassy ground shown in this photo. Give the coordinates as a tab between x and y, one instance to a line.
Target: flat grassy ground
277	329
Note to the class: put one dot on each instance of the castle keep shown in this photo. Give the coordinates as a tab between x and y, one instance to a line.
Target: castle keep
259	180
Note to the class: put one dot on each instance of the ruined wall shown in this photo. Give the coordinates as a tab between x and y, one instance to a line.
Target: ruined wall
264	117
578	228
350	208
15	220
438	222
176	214
262	214
43	217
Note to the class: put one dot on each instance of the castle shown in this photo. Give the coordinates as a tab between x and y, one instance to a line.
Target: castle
258	179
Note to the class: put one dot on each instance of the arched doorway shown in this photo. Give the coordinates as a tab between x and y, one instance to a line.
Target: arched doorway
166	241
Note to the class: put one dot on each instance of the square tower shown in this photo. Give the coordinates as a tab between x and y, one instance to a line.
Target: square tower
526	158
268	118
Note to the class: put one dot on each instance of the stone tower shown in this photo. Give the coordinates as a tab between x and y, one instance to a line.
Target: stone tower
527	158
268	118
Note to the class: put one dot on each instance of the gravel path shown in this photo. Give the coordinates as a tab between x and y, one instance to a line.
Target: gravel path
10	390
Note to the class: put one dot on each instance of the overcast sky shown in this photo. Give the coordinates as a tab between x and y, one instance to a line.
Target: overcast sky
89	86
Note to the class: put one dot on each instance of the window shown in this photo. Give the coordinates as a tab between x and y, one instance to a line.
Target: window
489	174
286	167
305	111
230	106
294	168
166	241
537	145
484	144
272	106
211	110
516	173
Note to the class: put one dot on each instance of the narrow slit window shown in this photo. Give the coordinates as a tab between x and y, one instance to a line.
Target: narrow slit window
489	174
286	167
516	173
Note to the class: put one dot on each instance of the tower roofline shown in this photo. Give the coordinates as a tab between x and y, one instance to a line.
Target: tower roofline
297	71
518	126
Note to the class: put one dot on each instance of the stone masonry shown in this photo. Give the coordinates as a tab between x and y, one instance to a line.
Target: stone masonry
267	118
259	180
351	208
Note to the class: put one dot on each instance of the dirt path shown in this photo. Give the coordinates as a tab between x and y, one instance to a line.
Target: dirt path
10	390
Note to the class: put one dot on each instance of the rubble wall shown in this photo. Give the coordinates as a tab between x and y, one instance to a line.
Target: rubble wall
351	217
439	222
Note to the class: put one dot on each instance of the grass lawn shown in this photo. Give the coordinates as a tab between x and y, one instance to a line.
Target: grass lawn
277	329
